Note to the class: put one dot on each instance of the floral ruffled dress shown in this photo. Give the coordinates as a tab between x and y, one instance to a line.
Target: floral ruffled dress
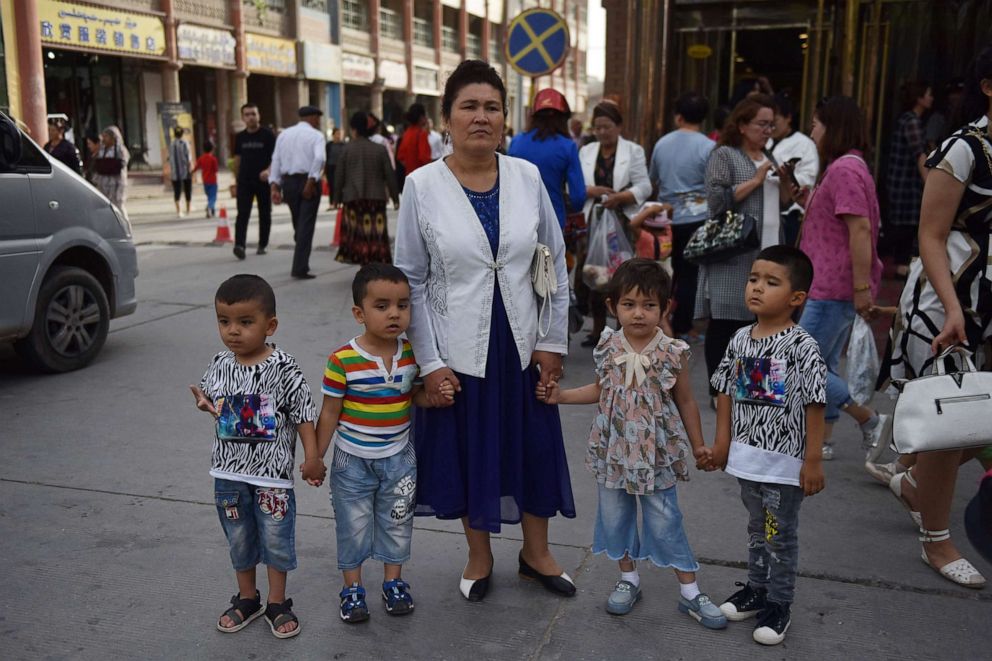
638	442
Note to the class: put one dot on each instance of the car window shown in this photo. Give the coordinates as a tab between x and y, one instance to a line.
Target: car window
32	160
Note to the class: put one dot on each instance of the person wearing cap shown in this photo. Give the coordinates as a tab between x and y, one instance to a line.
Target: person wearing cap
59	148
548	146
297	164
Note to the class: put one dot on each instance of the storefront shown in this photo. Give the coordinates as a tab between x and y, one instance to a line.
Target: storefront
395	100
272	83
322	67
358	73
207	55
96	61
427	88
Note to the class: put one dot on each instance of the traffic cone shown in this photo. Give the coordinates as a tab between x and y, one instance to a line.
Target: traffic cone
337	227
223	231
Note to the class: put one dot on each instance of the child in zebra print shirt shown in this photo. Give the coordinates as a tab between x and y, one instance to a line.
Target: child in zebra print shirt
769	434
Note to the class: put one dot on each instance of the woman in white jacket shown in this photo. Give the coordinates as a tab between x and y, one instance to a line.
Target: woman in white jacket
469	226
616	175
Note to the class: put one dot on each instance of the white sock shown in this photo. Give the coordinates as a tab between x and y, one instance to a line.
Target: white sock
870	423
689	590
631	577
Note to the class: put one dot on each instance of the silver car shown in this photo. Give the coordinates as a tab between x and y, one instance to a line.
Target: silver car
67	261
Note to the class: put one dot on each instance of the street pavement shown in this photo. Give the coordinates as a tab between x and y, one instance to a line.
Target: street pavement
113	548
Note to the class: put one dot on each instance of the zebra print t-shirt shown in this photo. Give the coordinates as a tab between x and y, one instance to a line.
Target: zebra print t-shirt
771	381
259	407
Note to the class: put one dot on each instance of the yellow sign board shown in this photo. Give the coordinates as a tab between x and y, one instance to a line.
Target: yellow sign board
699	51
276	57
82	26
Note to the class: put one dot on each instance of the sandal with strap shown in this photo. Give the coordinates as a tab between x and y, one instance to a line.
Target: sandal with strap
895	486
242	612
960	571
279	614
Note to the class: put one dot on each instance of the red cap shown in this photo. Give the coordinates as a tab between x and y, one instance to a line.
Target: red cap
551	99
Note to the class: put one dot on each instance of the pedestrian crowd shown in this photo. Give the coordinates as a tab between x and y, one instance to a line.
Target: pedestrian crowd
761	246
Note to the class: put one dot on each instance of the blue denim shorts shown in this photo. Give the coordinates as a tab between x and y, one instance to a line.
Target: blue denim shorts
259	523
662	538
373	503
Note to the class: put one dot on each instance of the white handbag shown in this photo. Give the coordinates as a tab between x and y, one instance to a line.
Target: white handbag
944	410
542	275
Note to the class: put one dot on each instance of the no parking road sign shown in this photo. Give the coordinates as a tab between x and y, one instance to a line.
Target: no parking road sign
537	42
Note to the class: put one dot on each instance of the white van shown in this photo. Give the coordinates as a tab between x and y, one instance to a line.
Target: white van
67	261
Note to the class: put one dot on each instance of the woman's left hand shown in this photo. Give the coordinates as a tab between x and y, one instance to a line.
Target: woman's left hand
863	304
613	201
550	365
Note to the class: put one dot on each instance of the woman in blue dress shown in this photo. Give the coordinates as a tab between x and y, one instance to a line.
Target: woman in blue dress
468	230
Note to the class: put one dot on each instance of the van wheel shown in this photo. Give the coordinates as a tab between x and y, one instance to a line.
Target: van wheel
71	321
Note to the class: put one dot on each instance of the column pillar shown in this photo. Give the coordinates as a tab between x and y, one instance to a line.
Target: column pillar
223	86
172	65
463	30
239	77
408	43
436	25
31	69
376	87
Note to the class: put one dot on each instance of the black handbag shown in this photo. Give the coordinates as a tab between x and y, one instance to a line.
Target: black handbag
723	237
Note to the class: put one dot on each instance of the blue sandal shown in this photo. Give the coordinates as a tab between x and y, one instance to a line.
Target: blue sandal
398	599
353	606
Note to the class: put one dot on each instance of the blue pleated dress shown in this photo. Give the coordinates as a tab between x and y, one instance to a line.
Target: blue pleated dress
498	452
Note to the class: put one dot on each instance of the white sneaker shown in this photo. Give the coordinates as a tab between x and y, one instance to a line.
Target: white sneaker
884	472
828	452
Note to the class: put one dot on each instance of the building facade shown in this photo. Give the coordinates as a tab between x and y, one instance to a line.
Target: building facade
145	65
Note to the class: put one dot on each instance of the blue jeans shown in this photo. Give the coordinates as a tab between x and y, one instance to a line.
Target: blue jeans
829	323
211	191
373	501
664	541
259	523
773	537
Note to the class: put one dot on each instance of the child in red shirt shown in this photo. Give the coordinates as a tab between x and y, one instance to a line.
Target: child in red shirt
207	163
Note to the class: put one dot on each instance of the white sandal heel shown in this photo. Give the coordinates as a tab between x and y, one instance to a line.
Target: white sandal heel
960	571
895	486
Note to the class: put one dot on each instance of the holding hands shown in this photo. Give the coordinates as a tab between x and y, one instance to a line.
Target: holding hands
313	471
549	394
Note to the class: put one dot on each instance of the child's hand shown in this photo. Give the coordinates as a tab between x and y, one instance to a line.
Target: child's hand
548	393
718	458
811	477
704	458
202	401
313	471
447	390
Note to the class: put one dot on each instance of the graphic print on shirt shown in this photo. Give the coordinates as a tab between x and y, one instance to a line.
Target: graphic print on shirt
761	380
246	418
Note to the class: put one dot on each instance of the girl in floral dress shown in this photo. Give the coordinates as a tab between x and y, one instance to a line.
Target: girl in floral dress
639	442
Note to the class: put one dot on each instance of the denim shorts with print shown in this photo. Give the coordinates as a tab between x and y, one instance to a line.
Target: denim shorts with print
373	503
662	538
259	522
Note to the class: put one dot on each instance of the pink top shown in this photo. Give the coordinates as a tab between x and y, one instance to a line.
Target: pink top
846	188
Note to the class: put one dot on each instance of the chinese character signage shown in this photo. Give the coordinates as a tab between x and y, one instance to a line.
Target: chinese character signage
276	57
357	68
83	26
205	46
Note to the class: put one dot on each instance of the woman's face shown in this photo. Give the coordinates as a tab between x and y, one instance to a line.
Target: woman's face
92	144
607	131
476	121
926	100
54	134
817	131
107	139
758	130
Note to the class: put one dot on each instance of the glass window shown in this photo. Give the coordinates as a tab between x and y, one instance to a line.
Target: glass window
32	160
355	14
390	24
449	39
423	32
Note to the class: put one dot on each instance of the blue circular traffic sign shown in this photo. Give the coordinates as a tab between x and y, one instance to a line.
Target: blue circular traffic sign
537	42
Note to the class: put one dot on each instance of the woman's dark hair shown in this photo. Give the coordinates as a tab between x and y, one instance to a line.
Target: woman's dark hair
646	275
975	103
609	110
693	107
360	123
467	73
177	132
743	113
844	128
911	91
547	124
416	114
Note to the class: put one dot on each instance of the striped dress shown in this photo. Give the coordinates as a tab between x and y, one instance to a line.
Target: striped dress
375	414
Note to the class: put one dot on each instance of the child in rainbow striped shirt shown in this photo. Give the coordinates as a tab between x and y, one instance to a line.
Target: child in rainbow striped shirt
369	385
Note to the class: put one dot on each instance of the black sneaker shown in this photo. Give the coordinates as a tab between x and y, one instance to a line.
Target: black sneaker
772	624
746	602
239	252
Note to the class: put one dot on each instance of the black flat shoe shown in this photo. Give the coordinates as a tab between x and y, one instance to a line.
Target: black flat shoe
560	585
260	251
475	589
304	276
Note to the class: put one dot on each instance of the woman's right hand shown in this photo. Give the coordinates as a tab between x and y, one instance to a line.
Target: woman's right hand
763	171
598	191
952	333
432	386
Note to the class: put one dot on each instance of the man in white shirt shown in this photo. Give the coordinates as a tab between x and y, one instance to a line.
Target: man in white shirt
787	144
297	164
435	140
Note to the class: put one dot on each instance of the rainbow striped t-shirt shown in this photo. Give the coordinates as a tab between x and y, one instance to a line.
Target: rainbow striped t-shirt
375	415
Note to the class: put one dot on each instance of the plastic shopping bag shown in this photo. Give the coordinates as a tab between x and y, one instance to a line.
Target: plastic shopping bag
608	249
862	362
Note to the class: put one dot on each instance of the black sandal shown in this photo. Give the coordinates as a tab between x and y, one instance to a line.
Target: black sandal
250	610
279	614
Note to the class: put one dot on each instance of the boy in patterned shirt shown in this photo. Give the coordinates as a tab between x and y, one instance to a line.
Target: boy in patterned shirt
260	401
368	387
769	434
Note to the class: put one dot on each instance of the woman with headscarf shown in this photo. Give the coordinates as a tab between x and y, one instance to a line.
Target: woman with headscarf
110	166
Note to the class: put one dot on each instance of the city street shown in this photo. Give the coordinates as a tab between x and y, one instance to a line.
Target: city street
113	548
